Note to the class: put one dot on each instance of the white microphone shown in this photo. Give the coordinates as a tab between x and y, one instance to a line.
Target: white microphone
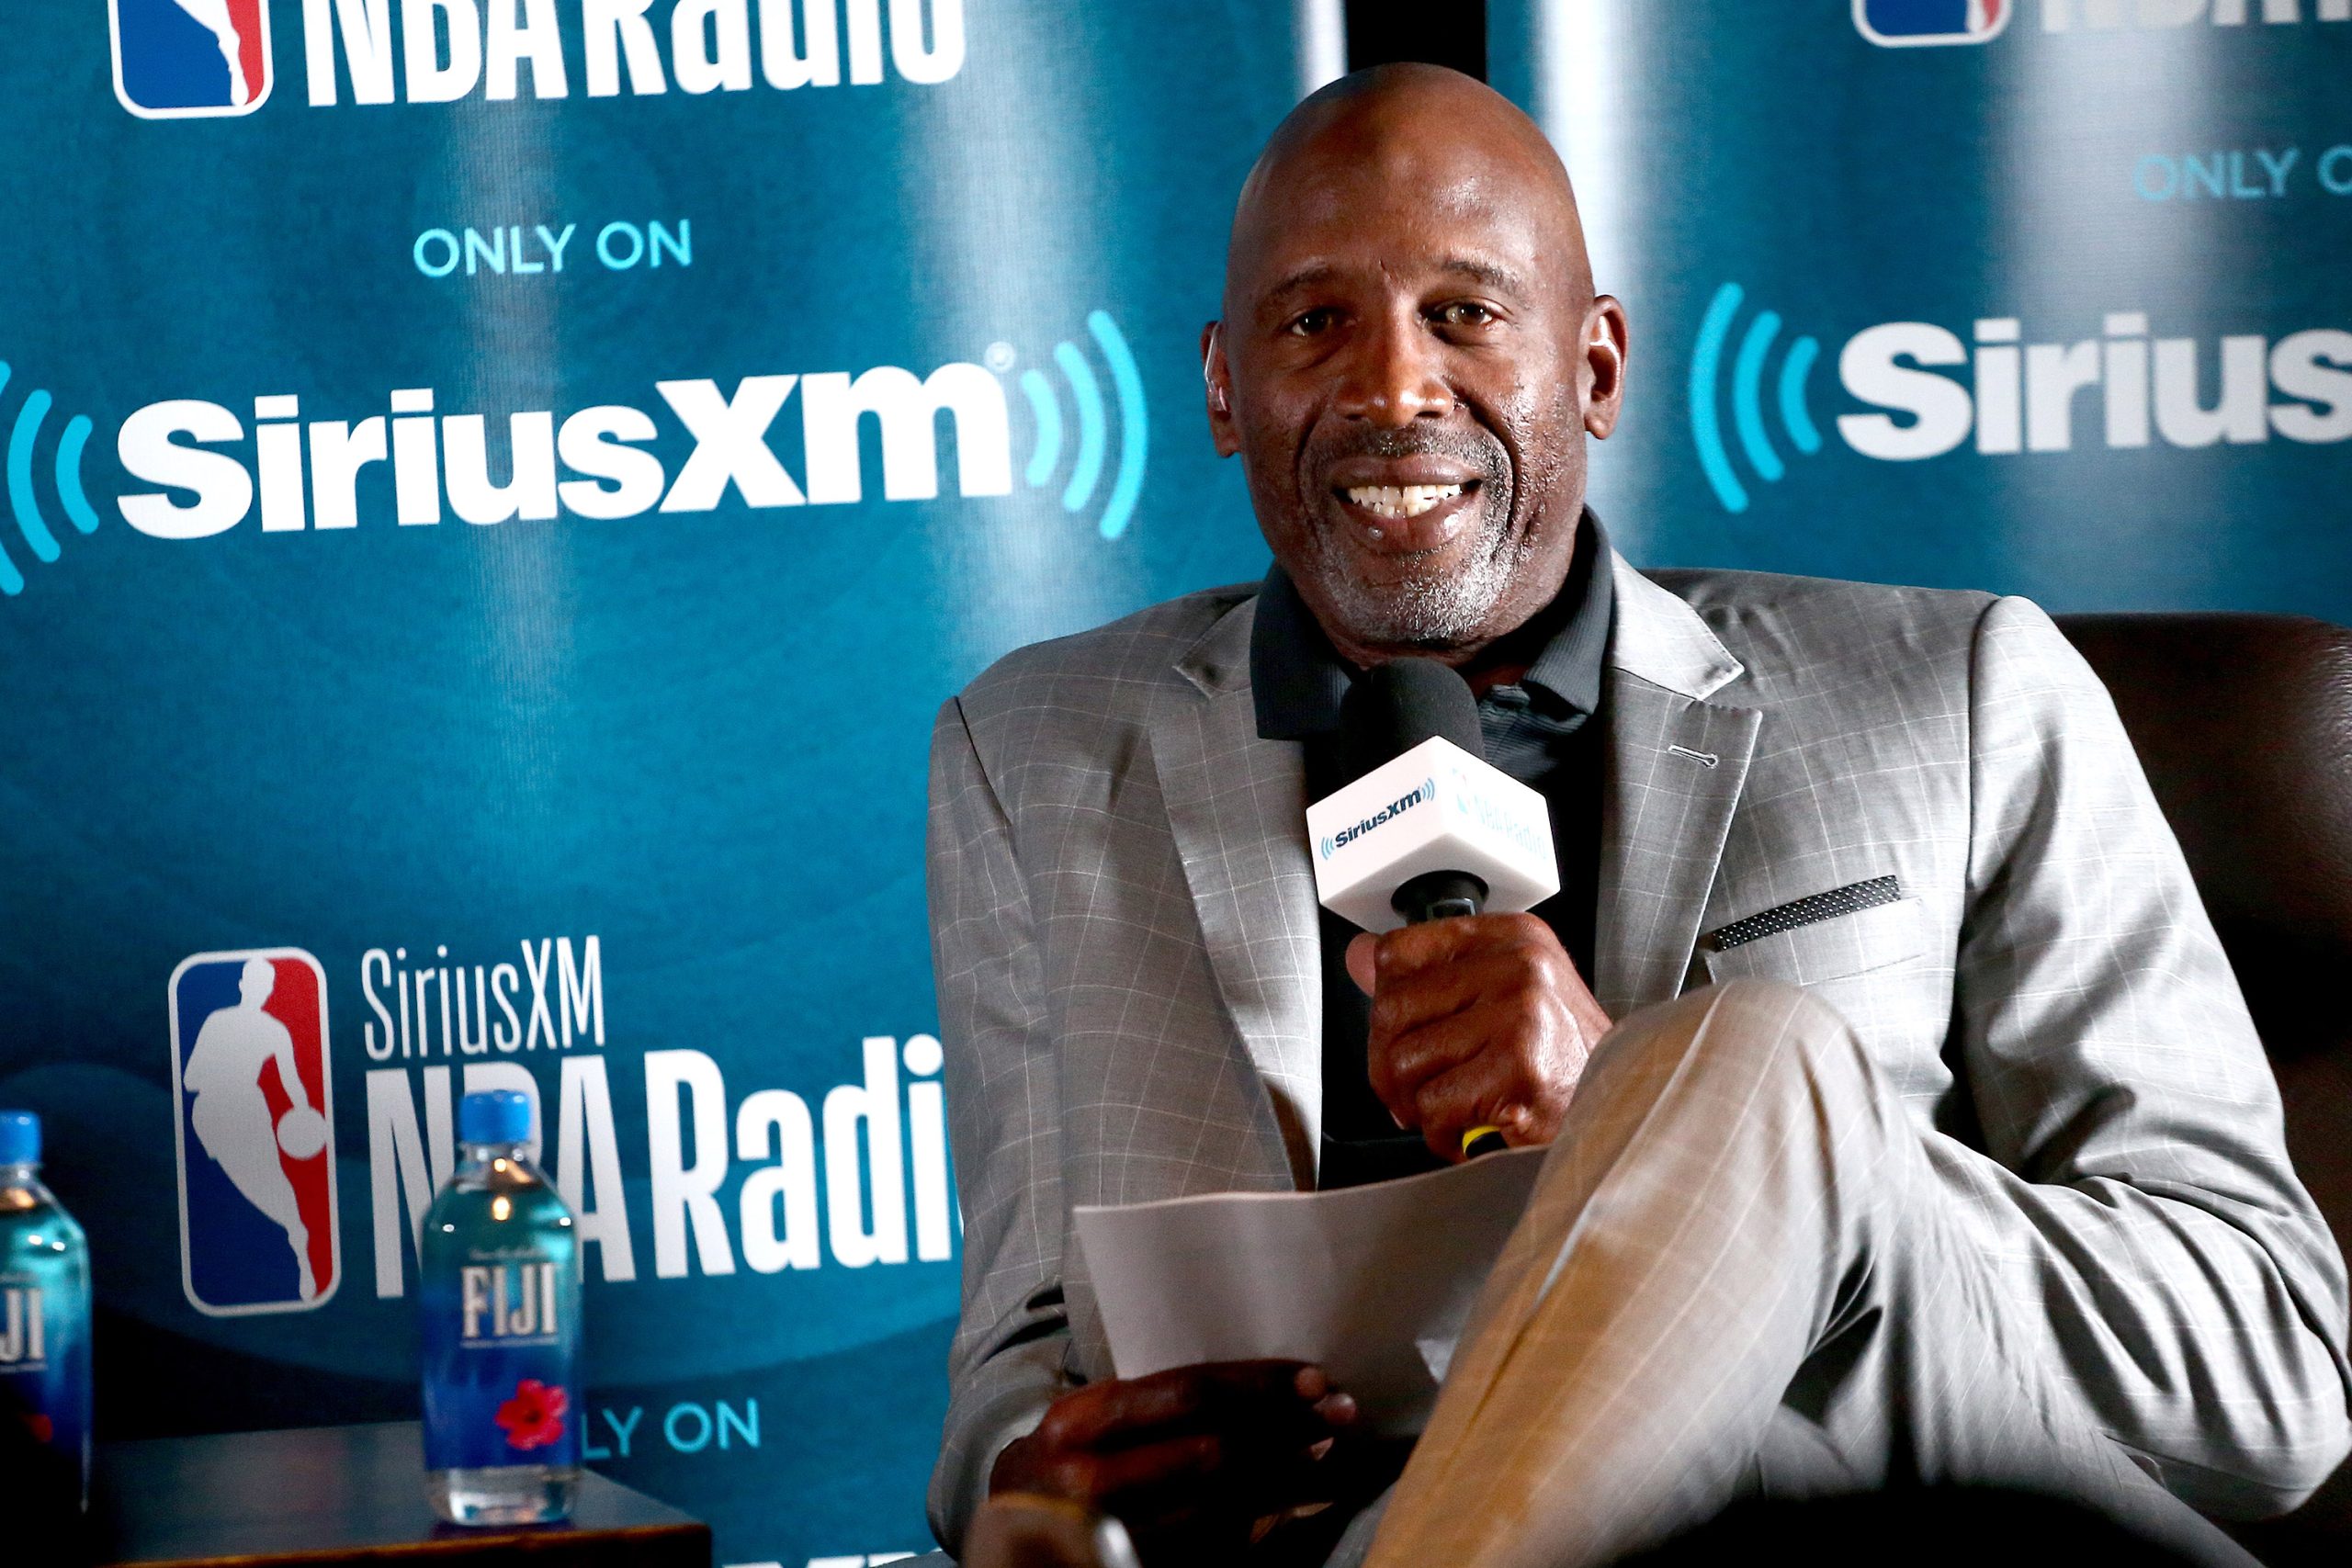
1427	828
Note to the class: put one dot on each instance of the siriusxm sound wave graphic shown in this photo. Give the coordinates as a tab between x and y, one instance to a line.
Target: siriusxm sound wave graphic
24	503
1927	392
1747	378
1086	395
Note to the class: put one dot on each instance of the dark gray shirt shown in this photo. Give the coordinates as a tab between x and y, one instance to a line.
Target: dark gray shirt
1538	730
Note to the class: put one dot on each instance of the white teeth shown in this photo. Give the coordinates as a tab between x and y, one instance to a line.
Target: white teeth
1401	500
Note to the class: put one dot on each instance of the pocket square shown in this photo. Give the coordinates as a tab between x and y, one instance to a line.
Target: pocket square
1803	911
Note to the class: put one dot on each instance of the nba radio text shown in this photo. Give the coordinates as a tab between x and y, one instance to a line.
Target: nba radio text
823	1183
492	50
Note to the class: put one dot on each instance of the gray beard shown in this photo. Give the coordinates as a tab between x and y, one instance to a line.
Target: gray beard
1424	611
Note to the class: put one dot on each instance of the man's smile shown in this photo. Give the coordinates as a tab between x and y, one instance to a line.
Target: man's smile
1408	505
1398	501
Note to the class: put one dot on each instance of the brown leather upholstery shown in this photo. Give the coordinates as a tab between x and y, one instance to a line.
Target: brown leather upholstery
2244	726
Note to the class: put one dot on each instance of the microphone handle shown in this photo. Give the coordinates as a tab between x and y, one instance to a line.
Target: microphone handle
1436	896
1439	894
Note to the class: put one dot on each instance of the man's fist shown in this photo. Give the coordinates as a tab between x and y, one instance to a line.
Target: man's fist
1189	1459
1480	1021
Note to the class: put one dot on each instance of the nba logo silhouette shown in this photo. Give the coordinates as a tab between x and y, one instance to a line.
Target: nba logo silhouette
180	59
1897	23
256	1133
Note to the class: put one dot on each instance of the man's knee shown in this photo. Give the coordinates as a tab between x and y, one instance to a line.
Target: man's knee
1748	1035
1746	1019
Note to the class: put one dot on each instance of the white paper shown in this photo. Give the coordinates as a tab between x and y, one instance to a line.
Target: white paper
1371	1283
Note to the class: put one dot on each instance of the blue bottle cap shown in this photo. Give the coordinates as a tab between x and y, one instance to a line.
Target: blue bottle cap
498	1116
20	1138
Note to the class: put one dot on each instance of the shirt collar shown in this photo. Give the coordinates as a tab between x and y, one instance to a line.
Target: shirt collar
1298	680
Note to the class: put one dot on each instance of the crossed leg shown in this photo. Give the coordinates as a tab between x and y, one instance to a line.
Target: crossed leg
1737	1269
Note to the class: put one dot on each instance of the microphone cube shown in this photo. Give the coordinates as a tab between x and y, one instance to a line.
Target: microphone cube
1435	807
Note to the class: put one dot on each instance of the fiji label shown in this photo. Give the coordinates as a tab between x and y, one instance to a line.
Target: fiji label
24	1331
36	1384
498	1365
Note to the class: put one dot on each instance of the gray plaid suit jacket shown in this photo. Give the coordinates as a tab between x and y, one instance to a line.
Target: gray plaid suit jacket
1125	934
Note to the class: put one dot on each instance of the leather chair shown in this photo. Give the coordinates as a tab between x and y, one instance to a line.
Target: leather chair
2244	724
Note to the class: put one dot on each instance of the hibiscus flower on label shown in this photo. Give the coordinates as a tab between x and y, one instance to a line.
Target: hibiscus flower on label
534	1417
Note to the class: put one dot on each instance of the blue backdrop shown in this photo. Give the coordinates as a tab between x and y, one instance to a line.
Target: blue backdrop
497	492
2040	295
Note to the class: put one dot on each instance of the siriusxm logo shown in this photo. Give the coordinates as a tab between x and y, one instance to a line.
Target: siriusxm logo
1903	23
306	475
1425	791
2011	396
1089	443
177	58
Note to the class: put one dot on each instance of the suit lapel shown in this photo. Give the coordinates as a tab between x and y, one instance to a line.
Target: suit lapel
1237	805
1675	765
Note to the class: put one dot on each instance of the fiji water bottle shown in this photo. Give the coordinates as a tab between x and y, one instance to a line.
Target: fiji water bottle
44	1311
501	1329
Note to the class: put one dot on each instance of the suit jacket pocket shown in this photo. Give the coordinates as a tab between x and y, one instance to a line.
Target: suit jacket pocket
1809	954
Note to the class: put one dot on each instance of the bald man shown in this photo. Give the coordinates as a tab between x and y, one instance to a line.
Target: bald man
1905	1122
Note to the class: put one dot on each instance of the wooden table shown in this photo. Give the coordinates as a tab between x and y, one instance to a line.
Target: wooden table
348	1494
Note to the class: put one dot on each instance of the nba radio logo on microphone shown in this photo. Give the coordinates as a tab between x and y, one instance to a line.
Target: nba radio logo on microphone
256	1133
182	59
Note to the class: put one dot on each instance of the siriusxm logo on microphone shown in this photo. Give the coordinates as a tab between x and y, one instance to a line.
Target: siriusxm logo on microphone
1929	392
1418	794
1433	807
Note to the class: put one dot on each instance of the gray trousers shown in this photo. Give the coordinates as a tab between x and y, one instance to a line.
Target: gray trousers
1739	1271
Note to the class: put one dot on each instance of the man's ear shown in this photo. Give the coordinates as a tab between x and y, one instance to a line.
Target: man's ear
1603	372
1217	388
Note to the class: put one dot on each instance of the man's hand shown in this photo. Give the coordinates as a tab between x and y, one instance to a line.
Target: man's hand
1189	1459
1480	1021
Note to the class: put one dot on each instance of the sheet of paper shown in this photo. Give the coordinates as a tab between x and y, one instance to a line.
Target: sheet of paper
1373	1283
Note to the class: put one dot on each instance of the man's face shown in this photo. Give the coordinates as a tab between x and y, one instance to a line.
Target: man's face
1409	371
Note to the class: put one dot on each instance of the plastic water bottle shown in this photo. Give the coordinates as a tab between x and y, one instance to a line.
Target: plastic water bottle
500	1297
44	1311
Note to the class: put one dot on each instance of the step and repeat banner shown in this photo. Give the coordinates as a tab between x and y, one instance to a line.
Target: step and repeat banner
496	492
2040	295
